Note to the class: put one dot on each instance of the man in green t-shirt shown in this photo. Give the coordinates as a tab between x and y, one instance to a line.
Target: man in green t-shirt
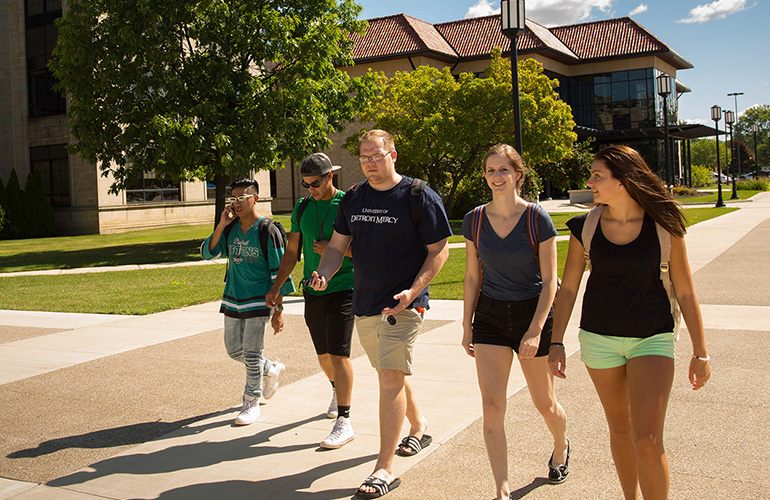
329	313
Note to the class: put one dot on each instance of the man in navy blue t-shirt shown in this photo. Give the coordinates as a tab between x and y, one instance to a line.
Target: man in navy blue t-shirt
393	264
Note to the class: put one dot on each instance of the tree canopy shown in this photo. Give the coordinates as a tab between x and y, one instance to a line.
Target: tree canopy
443	125
205	89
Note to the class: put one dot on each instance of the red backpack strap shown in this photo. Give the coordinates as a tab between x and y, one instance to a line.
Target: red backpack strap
533	231
477	221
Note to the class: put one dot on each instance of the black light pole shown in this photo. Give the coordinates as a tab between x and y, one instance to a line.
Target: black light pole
664	90
512	25
737	133
754	130
716	115
730	119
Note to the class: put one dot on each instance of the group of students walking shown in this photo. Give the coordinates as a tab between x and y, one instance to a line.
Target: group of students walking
370	254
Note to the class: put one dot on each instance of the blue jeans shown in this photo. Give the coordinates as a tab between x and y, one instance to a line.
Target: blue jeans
244	341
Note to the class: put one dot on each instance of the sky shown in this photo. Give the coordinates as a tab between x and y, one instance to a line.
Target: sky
728	41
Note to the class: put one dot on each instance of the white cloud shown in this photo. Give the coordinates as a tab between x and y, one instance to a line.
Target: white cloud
714	10
481	9
641	8
561	12
694	121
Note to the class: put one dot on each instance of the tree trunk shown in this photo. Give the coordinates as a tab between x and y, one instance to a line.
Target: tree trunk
220	181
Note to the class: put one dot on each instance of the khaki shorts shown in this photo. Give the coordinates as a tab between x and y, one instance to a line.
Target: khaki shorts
390	347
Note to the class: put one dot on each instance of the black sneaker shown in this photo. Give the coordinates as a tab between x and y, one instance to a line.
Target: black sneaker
557	474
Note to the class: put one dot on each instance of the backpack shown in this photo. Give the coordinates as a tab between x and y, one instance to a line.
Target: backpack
302	206
263	233
664	238
416	191
477	220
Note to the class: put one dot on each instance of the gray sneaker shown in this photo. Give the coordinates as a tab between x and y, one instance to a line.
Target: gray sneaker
341	434
249	411
332	412
271	379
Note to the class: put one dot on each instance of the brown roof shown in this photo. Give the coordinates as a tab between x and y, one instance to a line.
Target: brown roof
398	35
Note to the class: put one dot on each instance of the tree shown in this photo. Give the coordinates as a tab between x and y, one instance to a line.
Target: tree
444	125
15	212
747	163
761	116
40	220
205	89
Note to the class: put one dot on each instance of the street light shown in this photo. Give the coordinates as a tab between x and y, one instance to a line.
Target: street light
716	115
664	90
737	133
755	129
512	24
730	119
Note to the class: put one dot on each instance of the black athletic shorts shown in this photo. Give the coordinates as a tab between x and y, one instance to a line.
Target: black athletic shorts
330	320
500	322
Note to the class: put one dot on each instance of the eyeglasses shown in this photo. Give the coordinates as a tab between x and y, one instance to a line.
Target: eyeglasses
314	184
230	200
373	158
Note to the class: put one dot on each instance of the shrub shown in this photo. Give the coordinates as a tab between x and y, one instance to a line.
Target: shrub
684	191
753	185
14	208
701	176
40	221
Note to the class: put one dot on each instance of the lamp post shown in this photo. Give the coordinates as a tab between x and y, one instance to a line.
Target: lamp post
730	119
664	90
716	115
737	135
754	130
512	25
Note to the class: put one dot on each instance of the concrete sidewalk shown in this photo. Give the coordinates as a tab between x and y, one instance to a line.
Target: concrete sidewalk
714	436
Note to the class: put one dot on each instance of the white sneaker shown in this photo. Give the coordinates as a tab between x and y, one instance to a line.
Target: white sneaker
271	379
332	412
342	433
249	411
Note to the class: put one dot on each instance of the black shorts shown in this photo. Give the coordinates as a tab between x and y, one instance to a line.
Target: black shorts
500	322
330	320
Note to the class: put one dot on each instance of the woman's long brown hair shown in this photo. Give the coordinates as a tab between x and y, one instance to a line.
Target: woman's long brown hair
646	188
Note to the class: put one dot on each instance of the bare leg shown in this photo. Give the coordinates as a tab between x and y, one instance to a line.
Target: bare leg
326	365
543	394
392	412
493	365
611	386
649	385
343	379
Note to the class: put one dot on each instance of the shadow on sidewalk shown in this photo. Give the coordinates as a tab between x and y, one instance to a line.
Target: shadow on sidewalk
526	490
190	456
117	436
283	487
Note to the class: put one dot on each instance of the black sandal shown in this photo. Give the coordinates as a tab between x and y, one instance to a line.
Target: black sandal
415	445
381	488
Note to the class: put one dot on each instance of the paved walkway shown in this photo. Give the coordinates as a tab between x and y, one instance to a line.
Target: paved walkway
714	437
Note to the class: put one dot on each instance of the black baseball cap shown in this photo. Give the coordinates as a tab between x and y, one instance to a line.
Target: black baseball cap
317	164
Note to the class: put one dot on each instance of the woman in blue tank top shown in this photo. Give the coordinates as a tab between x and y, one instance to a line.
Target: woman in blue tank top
509	309
626	326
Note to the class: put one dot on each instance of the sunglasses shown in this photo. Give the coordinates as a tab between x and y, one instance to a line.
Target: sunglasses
314	184
230	200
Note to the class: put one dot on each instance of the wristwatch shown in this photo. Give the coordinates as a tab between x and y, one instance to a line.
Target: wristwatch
279	308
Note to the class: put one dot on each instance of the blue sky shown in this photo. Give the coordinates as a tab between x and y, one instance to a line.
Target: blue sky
727	41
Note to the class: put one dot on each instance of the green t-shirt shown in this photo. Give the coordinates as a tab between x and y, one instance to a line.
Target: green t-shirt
318	223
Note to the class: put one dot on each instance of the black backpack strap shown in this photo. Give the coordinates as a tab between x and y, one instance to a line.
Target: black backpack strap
416	191
263	231
300	210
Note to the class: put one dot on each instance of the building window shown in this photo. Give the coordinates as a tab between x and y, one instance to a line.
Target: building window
41	40
53	164
146	187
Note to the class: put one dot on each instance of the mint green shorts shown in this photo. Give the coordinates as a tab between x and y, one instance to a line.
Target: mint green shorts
605	351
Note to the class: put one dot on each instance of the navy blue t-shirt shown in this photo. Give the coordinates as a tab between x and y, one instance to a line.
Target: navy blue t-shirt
387	251
510	268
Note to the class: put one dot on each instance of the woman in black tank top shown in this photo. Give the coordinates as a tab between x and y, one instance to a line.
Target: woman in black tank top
629	309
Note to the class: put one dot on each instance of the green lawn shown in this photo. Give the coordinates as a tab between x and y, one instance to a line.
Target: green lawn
727	191
154	290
